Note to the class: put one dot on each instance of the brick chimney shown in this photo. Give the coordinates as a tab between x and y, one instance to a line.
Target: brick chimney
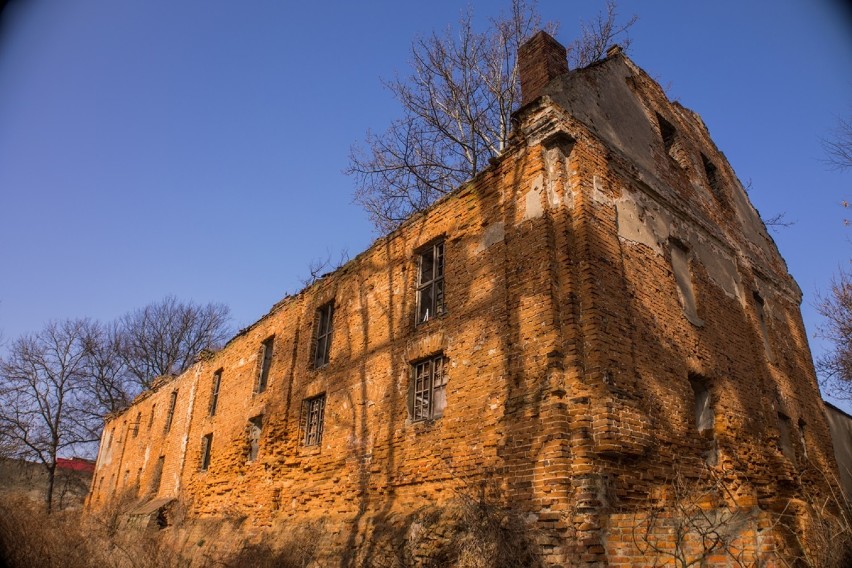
540	59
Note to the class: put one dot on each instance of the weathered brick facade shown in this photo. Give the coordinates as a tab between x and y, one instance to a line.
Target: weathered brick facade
614	323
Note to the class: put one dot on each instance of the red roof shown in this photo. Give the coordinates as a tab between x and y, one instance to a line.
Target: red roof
76	464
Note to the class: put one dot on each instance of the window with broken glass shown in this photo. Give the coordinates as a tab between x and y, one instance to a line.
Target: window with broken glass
255	427
214	393
430	283
206	445
171	413
313	413
428	389
322	349
264	362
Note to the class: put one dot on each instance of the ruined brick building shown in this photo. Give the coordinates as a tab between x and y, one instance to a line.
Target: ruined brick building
595	321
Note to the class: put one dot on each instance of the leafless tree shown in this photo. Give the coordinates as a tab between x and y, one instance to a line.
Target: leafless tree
838	149
598	35
165	337
836	366
112	385
319	267
456	110
45	396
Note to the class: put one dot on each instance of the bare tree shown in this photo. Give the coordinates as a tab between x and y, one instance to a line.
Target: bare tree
598	35
45	396
112	385
456	110
839	148
165	337
320	267
836	366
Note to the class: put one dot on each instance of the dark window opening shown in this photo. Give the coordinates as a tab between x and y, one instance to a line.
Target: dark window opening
313	415
158	474
668	133
712	174
430	283
785	436
214	393
136	424
206	447
171	413
705	416
264	362
151	418
255	427
760	307
322	348
428	397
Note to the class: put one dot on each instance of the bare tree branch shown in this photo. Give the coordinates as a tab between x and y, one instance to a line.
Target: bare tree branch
456	110
839	147
835	367
165	337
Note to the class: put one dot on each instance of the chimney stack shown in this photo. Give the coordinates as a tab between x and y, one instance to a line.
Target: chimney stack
540	59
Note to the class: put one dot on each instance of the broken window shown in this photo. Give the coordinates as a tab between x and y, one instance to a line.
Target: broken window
171	413
712	174
322	347
255	427
430	283
136	424
759	306
206	446
668	133
785	436
158	474
705	416
151	418
313	412
802	439
214	393
264	362
428	396
683	278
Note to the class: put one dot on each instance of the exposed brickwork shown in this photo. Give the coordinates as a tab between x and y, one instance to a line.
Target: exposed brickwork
567	346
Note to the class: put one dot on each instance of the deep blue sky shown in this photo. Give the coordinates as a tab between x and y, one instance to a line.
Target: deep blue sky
195	148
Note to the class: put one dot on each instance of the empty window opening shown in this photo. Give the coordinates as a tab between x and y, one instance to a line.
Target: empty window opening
206	447
151	418
255	427
668	133
802	439
125	478
322	347
785	436
704	415
158	474
214	392
683	278
428	389
264	362
712	174
760	307
136	424
313	414
171	413
430	283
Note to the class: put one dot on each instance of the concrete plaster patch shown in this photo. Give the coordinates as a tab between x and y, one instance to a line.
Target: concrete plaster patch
493	234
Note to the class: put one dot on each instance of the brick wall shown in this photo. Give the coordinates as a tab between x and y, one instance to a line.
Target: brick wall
571	352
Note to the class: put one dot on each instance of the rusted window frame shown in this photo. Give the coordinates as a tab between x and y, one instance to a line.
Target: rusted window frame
313	419
430	284
322	341
428	377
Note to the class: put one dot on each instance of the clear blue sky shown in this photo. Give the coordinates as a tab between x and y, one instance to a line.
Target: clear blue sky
195	148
